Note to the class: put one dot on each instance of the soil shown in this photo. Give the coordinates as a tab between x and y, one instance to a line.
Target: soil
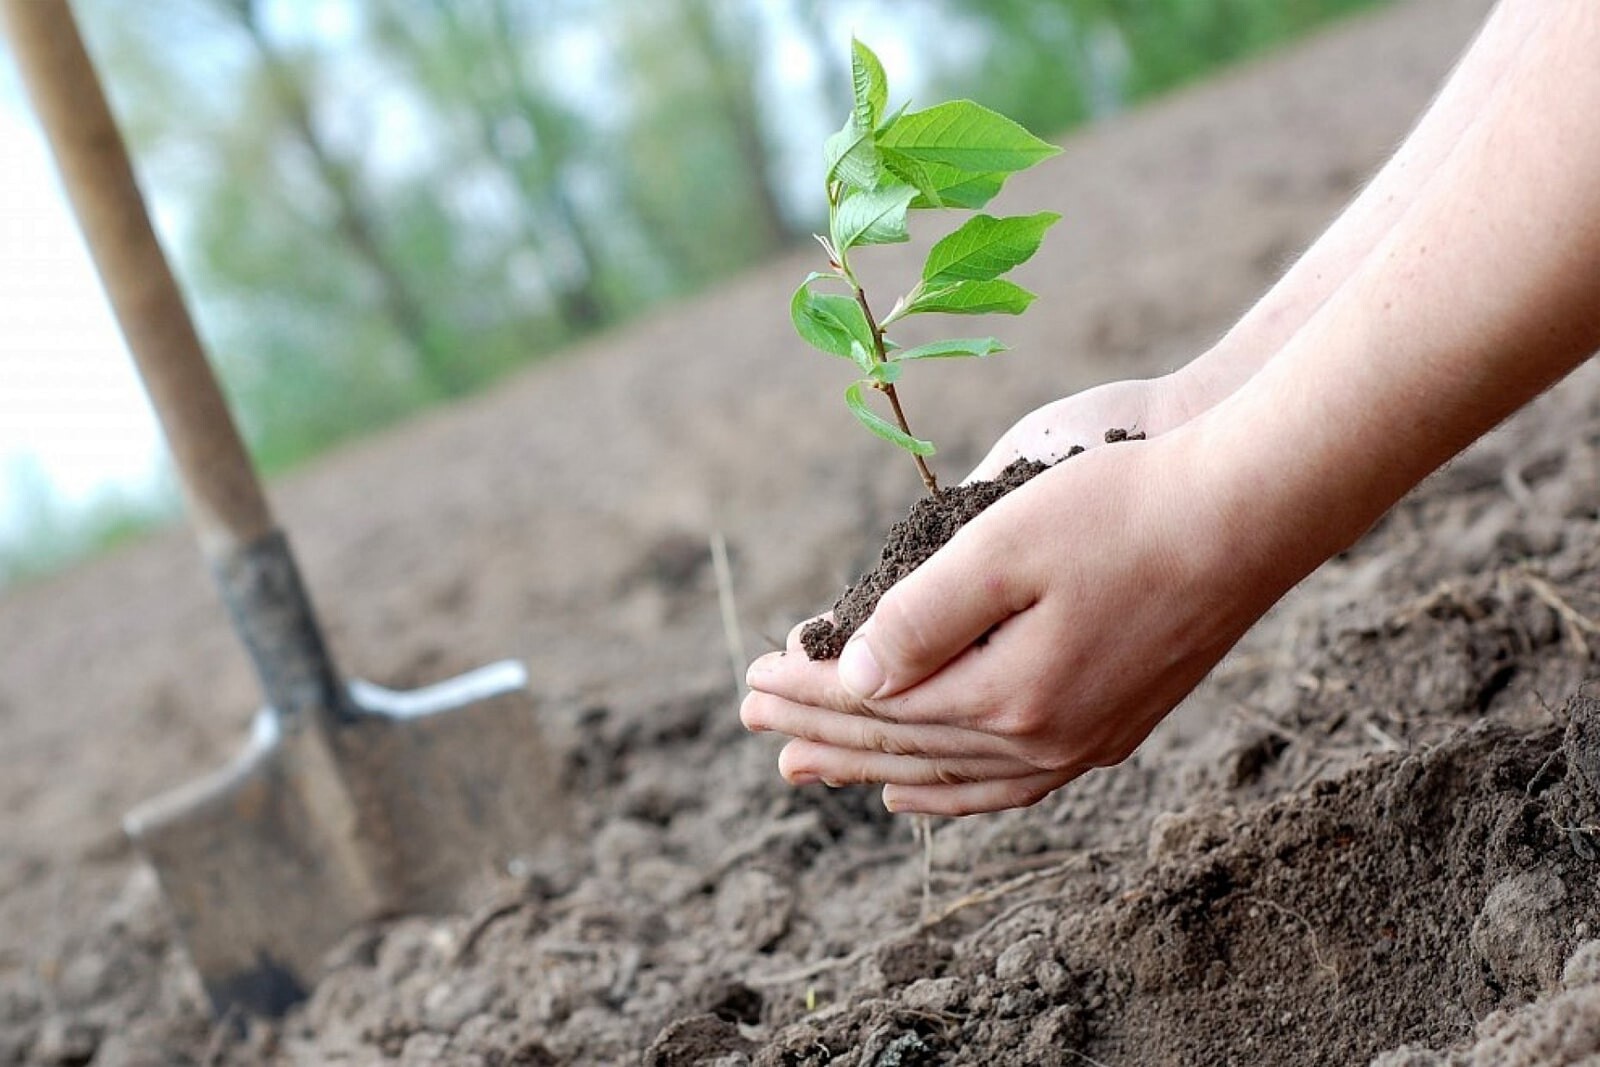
930	523
1369	837
927	527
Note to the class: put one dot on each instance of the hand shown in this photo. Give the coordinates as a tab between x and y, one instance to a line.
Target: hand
1108	587
1048	433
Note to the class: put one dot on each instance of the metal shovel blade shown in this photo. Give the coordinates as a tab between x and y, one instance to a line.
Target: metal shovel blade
412	804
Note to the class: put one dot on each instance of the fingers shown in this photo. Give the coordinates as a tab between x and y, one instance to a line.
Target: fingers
803	762
816	687
972	798
933	615
984	697
765	712
795	678
965	695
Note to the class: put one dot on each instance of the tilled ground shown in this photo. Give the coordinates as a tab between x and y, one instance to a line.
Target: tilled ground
1370	835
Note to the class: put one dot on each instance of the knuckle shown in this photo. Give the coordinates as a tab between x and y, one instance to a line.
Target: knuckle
877	709
1025	793
1023	719
1057	759
880	739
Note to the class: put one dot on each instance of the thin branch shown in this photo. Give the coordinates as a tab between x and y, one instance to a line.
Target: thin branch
881	354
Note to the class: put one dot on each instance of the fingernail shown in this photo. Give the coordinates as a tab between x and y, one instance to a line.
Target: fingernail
804	778
760	668
859	672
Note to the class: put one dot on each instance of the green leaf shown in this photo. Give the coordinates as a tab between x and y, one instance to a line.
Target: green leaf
964	347
877	217
892	119
863	358
972	298
828	321
915	175
881	426
869	84
966	136
851	157
986	247
851	154
954	188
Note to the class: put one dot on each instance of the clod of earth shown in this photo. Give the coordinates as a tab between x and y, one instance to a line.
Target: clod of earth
931	522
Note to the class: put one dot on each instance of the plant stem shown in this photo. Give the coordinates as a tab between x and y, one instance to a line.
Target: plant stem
880	353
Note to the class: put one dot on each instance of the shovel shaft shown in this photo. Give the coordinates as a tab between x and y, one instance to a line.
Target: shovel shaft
272	615
249	557
226	501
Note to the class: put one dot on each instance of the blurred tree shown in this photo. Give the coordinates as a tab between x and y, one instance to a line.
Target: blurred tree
475	62
1173	41
291	80
1063	59
344	278
1034	64
731	68
691	157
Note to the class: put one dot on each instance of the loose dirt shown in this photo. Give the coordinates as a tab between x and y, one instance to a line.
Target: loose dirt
927	527
1369	837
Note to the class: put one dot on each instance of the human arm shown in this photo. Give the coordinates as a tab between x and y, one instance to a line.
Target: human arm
1122	577
1159	404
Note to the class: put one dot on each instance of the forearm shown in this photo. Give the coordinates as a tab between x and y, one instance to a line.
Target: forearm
1336	255
1484	292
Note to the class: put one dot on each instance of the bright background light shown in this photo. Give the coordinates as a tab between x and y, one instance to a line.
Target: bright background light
72	413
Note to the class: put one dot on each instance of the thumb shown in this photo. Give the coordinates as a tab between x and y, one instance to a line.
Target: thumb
932	615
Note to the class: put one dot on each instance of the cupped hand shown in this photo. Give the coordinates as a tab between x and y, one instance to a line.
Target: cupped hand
1051	634
1150	406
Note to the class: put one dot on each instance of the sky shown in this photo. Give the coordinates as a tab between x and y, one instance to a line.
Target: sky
70	403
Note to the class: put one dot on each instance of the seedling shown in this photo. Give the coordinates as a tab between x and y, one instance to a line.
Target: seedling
880	167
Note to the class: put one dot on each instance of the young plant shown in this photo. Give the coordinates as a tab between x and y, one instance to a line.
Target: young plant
882	166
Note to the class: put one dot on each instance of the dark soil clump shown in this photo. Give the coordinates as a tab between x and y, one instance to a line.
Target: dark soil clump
932	521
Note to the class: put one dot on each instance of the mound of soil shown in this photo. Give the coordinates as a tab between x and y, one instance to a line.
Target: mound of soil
1369	837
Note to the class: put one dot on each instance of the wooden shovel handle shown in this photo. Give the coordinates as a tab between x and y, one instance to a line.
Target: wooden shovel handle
225	499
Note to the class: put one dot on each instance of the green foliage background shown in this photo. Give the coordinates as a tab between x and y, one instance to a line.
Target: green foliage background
378	207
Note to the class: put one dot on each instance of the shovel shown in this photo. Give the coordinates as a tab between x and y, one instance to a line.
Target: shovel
348	803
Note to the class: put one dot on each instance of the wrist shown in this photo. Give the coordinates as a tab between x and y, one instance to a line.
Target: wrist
1308	454
1203	383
